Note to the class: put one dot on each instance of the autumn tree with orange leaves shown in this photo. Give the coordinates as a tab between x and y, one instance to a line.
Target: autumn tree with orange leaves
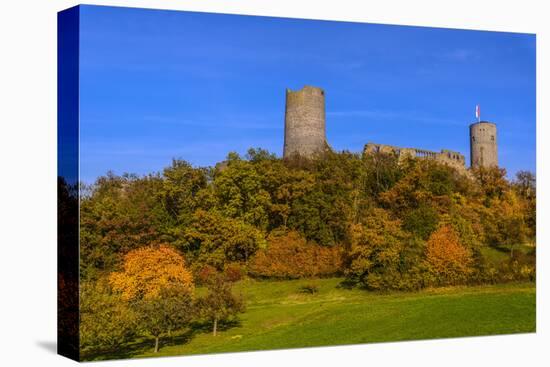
148	270
157	284
449	261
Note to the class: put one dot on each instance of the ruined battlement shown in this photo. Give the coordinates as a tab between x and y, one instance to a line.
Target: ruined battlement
305	134
449	157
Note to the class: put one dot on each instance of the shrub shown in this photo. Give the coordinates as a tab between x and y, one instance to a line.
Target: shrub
310	288
234	272
290	256
379	252
421	221
106	321
205	274
449	262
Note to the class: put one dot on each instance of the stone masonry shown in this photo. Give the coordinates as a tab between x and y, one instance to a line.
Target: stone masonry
483	144
305	132
305	135
449	157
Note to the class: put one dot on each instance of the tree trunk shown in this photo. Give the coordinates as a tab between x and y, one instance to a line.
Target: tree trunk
156	344
215	331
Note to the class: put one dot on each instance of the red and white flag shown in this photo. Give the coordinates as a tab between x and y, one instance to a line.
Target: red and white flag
477	112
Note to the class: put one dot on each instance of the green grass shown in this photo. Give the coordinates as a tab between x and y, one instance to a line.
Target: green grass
500	254
279	315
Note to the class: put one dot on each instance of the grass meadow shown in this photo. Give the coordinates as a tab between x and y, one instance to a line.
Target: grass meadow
281	315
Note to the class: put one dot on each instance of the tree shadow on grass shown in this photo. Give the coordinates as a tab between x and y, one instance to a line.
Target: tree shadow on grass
146	344
128	350
346	284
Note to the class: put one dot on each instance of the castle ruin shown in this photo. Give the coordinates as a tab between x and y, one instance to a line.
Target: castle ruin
449	157
305	132
483	144
305	135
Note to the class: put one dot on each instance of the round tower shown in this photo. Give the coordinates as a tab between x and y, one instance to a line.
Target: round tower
483	144
305	132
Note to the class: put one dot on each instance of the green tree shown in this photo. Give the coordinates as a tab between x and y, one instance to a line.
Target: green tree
525	185
376	251
382	172
421	221
211	238
106	321
239	193
181	185
259	155
120	213
220	304
492	181
324	212
172	309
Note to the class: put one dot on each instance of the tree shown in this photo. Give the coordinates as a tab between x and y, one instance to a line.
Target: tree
259	155
290	255
382	172
492	181
146	271
449	261
172	309
421	221
324	212
180	188
526	186
504	221
239	193
375	253
423	183
120	214
106	321
220	303
158	286
212	238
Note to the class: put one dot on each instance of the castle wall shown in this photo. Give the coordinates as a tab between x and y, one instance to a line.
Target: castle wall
305	134
449	157
483	144
305	131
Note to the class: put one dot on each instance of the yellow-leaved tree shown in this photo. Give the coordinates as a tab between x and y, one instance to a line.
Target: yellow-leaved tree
449	261
148	270
159	287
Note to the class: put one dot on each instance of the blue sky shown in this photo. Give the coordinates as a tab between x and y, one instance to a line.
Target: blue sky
157	84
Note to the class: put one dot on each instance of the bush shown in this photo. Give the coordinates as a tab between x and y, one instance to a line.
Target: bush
310	288
421	221
449	262
290	256
205	274
106	321
380	252
234	272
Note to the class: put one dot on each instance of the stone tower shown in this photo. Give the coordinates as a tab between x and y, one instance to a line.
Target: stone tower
305	132
483	144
